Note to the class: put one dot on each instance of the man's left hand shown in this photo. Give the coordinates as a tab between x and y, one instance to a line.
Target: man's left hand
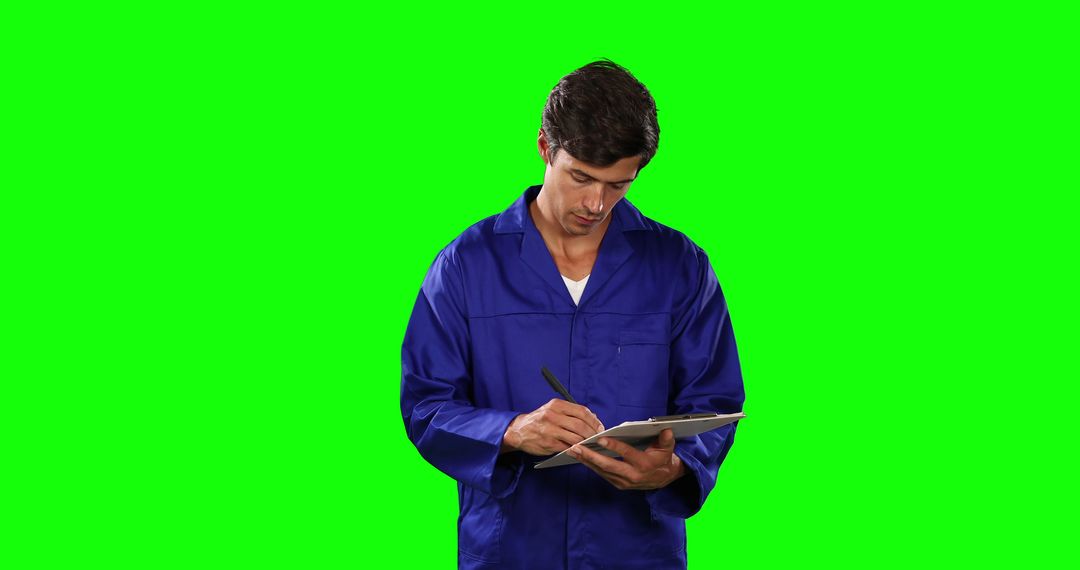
653	468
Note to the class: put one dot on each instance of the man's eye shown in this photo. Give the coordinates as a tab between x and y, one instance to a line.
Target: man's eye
579	180
618	186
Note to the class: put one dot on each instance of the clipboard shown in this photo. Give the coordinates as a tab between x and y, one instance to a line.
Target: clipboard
641	434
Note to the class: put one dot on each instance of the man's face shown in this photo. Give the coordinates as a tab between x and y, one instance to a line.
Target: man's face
582	195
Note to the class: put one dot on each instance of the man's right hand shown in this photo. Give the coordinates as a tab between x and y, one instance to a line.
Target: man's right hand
551	428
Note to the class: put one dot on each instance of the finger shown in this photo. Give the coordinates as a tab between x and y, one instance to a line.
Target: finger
638	459
604	463
586	415
616	481
667	440
580	412
554	413
596	421
564	438
575	425
591	459
550	438
622	448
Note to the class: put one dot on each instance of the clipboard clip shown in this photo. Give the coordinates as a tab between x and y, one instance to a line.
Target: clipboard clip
682	417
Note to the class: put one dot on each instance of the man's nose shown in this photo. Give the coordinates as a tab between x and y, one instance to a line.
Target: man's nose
594	198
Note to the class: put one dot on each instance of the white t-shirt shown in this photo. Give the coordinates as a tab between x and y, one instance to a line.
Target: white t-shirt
576	288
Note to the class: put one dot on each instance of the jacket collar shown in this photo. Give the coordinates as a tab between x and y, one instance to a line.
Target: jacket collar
615	249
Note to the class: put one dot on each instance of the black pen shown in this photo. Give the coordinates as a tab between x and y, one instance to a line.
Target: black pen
551	379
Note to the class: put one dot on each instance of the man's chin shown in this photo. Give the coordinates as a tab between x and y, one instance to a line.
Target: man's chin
576	229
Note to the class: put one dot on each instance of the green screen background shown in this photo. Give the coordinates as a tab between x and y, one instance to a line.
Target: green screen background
216	221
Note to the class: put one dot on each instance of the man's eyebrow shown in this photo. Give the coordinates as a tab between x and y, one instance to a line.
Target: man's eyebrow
586	175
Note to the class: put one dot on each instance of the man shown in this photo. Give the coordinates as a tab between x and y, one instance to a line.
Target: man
625	311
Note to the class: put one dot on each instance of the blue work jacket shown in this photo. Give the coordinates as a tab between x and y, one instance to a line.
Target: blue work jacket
651	336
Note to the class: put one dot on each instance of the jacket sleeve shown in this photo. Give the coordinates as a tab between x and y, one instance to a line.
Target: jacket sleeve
450	432
706	377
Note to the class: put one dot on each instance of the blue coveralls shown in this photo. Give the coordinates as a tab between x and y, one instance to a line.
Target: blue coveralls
651	336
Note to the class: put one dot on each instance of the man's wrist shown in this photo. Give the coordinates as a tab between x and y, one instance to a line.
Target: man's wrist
509	439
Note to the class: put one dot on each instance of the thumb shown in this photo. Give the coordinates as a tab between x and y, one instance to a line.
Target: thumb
667	439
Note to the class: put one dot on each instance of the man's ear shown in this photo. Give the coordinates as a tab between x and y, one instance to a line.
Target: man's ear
542	146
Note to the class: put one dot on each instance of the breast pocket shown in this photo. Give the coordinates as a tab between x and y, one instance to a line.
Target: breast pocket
642	360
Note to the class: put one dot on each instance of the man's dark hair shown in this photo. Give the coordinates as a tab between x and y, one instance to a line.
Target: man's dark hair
601	113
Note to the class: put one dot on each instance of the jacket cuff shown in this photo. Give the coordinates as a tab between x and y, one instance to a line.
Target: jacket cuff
505	468
683	497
